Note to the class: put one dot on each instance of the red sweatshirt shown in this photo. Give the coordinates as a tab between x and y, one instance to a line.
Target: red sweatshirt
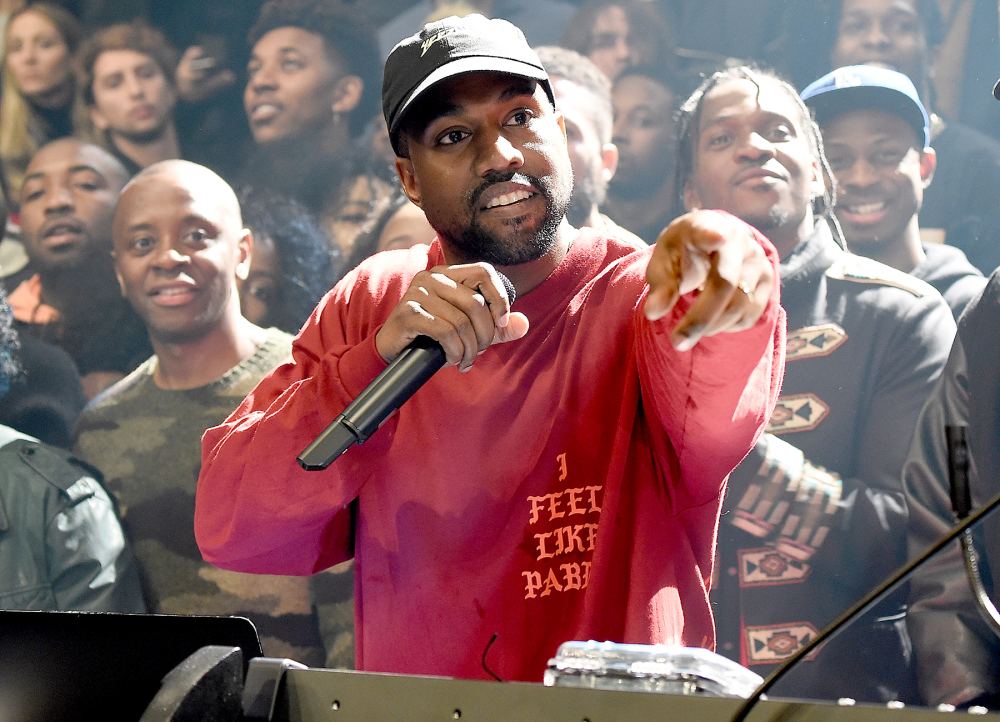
567	487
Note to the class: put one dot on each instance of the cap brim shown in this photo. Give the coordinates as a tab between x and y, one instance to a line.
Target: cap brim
996	90
472	64
830	104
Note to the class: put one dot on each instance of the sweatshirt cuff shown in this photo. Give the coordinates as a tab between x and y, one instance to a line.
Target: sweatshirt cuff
790	502
360	365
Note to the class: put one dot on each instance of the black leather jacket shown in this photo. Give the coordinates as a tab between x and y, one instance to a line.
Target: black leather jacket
61	546
958	657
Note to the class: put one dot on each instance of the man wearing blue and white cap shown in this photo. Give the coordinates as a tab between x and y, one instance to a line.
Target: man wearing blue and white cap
555	481
877	139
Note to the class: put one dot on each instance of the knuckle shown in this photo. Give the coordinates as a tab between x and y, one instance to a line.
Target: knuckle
463	325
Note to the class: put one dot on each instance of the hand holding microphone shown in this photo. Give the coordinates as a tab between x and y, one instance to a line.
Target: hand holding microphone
464	308
448	316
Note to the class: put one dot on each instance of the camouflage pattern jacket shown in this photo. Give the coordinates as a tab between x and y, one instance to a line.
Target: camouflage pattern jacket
147	442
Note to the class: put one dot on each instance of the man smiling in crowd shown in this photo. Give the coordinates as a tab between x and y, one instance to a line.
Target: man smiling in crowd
877	137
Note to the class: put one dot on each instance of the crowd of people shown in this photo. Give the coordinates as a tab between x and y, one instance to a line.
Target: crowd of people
742	237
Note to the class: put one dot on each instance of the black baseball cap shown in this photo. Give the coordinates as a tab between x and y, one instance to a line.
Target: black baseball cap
996	90
449	47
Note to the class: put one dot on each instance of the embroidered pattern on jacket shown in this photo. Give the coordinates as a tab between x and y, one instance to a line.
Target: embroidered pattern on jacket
767	567
776	642
797	412
814	341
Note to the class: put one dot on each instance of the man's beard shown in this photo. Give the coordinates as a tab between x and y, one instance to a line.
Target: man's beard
776	217
475	243
144	137
588	194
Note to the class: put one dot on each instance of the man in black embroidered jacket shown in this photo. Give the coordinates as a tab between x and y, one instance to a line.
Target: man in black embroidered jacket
815	513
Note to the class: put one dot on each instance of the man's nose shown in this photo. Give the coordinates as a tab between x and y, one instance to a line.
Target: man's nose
167	256
859	174
499	154
876	36
755	146
134	87
58	199
262	78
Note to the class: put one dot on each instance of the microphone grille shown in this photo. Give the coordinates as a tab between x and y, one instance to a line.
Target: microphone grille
508	287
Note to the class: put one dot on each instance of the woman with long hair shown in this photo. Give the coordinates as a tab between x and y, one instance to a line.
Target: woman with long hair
37	86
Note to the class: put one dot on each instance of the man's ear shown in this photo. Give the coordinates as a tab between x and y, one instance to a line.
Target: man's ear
244	248
97	118
408	178
609	161
118	276
928	164
347	94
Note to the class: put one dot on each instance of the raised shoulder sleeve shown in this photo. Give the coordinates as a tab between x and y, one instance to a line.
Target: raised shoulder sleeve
714	400
256	510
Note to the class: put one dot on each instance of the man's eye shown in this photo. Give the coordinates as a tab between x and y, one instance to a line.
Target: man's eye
889	157
521	117
452	137
141	244
853	27
263	292
902	26
196	237
719	140
292	65
780	133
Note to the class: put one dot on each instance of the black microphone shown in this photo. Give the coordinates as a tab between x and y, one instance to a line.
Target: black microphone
958	470
961	504
398	382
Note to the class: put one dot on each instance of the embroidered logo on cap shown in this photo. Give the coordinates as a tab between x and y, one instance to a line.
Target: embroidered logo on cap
429	41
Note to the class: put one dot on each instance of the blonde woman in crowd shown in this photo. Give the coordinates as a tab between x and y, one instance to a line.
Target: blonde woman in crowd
37	88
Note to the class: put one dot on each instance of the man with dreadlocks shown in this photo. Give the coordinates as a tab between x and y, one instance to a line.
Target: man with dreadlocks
820	491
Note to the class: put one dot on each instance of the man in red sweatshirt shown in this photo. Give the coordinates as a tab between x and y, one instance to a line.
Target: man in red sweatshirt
561	477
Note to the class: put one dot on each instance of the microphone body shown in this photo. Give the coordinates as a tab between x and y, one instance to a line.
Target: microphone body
398	382
406	373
